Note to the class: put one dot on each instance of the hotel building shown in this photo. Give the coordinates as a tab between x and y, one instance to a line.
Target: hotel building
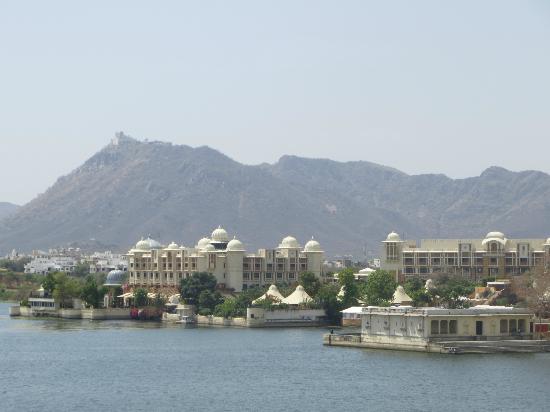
152	265
493	256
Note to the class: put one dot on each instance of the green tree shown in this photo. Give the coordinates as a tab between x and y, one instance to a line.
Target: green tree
346	279
66	288
209	300
310	283
90	292
192	286
416	290
327	299
140	298
159	301
81	270
49	283
379	288
227	309
452	291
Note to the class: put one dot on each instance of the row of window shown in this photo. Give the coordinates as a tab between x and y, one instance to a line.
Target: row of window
269	276
444	327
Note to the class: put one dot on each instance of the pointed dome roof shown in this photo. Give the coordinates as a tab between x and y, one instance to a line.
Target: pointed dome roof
400	297
235	245
289	242
298	297
312	246
272	293
219	235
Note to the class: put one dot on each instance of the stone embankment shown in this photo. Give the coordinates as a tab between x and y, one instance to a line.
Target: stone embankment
92	314
452	347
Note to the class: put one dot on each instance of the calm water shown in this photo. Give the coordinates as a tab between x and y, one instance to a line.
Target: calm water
49	365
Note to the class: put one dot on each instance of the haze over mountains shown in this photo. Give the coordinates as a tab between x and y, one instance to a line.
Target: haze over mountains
131	189
7	209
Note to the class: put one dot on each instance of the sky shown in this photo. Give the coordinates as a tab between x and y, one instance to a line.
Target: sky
424	86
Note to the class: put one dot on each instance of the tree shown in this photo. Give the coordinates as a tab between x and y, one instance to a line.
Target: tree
81	270
140	297
380	288
227	309
310	283
327	298
209	300
192	286
49	283
534	290
159	301
66	288
346	279
415	288
90	292
452	291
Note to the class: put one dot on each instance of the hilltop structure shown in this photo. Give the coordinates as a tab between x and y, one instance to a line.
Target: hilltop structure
152	265
493	256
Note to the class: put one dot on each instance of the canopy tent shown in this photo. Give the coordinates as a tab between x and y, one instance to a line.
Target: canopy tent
298	297
272	293
400	297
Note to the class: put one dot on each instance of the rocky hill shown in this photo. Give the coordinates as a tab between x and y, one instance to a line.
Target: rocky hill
7	209
178	193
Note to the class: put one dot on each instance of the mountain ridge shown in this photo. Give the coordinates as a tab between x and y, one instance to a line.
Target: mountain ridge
131	188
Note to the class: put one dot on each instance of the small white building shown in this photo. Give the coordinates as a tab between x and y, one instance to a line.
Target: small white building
43	264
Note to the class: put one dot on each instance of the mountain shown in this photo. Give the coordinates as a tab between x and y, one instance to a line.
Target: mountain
177	193
7	209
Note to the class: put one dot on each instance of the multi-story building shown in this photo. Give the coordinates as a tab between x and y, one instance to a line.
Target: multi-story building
493	256
43	264
106	261
155	266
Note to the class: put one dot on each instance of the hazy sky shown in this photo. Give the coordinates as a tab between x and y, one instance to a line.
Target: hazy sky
424	86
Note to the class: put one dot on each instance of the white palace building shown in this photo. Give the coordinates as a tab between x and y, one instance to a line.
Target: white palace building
493	256
152	265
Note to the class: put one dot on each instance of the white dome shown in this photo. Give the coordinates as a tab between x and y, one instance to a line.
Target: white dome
548	241
219	235
148	244
209	248
289	242
393	237
235	245
203	243
173	246
312	246
142	245
366	271
495	235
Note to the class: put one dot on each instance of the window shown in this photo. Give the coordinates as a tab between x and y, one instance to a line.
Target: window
444	327
503	326
453	327
268	275
435	327
521	326
513	326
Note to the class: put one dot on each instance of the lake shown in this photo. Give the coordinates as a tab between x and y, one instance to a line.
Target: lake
53	365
